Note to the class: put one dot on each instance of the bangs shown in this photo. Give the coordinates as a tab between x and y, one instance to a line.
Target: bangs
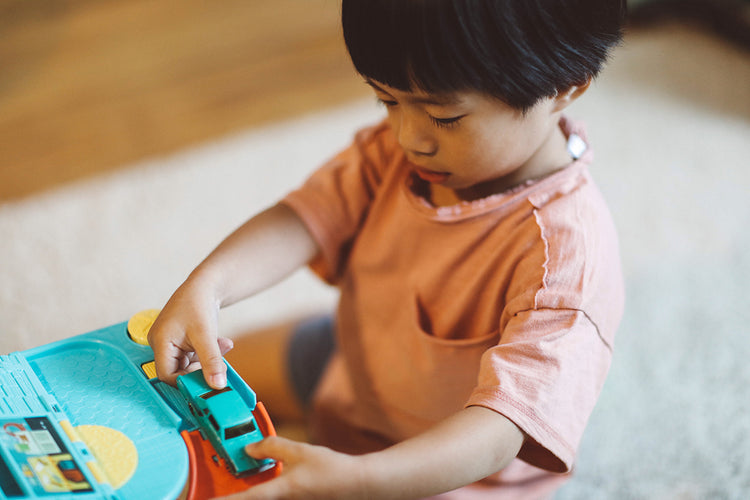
408	43
517	51
432	45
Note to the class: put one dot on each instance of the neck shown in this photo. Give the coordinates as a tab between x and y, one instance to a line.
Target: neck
551	156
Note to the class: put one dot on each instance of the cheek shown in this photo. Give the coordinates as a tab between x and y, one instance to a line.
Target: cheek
511	144
493	151
392	121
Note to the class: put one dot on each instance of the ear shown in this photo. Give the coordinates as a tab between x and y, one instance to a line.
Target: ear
566	98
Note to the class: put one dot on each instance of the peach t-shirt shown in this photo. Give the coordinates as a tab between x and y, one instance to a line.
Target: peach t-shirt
510	302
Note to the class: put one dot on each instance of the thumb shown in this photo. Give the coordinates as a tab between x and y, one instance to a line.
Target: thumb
209	353
275	447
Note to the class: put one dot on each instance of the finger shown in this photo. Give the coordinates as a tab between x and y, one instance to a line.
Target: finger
169	358
273	489
225	345
275	447
167	366
270	490
211	360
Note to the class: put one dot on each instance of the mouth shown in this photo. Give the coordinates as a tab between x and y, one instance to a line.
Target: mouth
431	176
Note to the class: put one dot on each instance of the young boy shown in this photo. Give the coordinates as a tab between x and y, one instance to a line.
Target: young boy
477	262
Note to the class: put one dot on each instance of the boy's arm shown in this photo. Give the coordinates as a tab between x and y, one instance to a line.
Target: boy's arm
464	448
260	253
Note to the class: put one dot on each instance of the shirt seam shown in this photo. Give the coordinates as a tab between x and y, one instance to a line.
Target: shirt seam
572	309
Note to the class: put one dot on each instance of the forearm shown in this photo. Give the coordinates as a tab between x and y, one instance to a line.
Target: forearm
464	448
260	253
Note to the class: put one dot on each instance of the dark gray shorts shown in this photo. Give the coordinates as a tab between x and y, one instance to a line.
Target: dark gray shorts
310	347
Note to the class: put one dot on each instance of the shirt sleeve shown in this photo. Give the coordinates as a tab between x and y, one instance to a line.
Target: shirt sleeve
334	201
545	375
555	348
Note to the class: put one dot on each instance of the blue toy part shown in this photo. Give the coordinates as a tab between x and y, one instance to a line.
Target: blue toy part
40	455
91	379
225	417
106	378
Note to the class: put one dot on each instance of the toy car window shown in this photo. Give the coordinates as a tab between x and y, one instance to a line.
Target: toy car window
239	430
215	392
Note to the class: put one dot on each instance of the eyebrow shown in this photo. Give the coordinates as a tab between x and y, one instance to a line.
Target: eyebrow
434	99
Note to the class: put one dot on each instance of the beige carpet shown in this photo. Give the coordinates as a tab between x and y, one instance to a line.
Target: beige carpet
670	122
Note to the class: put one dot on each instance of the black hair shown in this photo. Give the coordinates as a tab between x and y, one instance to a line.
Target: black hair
518	51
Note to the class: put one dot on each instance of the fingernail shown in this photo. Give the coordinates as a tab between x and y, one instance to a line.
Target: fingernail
219	381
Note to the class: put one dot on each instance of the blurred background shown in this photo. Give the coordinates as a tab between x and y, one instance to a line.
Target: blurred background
88	85
135	135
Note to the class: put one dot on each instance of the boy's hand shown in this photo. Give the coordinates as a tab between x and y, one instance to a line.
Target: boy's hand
310	472
260	253
184	337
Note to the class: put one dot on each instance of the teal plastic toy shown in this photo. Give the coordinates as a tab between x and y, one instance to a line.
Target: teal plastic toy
227	419
105	379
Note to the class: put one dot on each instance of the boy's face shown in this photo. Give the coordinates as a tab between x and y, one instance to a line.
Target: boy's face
472	144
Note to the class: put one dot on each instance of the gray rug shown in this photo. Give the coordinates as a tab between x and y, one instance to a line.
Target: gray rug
670	121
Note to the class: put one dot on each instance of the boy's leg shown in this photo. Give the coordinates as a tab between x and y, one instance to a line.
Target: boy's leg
283	364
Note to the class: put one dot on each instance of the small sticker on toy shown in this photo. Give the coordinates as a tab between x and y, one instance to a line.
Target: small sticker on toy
35	446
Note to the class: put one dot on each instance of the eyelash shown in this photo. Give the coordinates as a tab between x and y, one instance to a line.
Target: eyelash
445	122
386	102
438	122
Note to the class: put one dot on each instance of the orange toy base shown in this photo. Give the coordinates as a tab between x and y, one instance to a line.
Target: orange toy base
209	476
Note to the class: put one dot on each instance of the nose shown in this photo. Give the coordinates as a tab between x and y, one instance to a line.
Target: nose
413	137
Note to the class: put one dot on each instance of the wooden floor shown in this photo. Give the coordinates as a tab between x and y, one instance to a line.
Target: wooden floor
92	85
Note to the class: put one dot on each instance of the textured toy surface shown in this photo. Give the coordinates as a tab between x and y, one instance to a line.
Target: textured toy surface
104	381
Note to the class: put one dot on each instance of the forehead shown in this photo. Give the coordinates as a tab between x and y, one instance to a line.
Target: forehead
417	95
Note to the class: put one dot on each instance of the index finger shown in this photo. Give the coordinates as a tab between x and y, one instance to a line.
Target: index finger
170	359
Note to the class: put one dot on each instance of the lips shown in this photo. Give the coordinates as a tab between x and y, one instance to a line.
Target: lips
430	175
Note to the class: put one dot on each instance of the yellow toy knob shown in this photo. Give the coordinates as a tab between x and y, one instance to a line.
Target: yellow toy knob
140	324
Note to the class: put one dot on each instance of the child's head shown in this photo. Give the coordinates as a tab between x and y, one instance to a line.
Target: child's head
518	51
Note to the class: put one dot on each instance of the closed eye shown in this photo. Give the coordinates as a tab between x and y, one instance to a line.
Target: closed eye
386	102
446	122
